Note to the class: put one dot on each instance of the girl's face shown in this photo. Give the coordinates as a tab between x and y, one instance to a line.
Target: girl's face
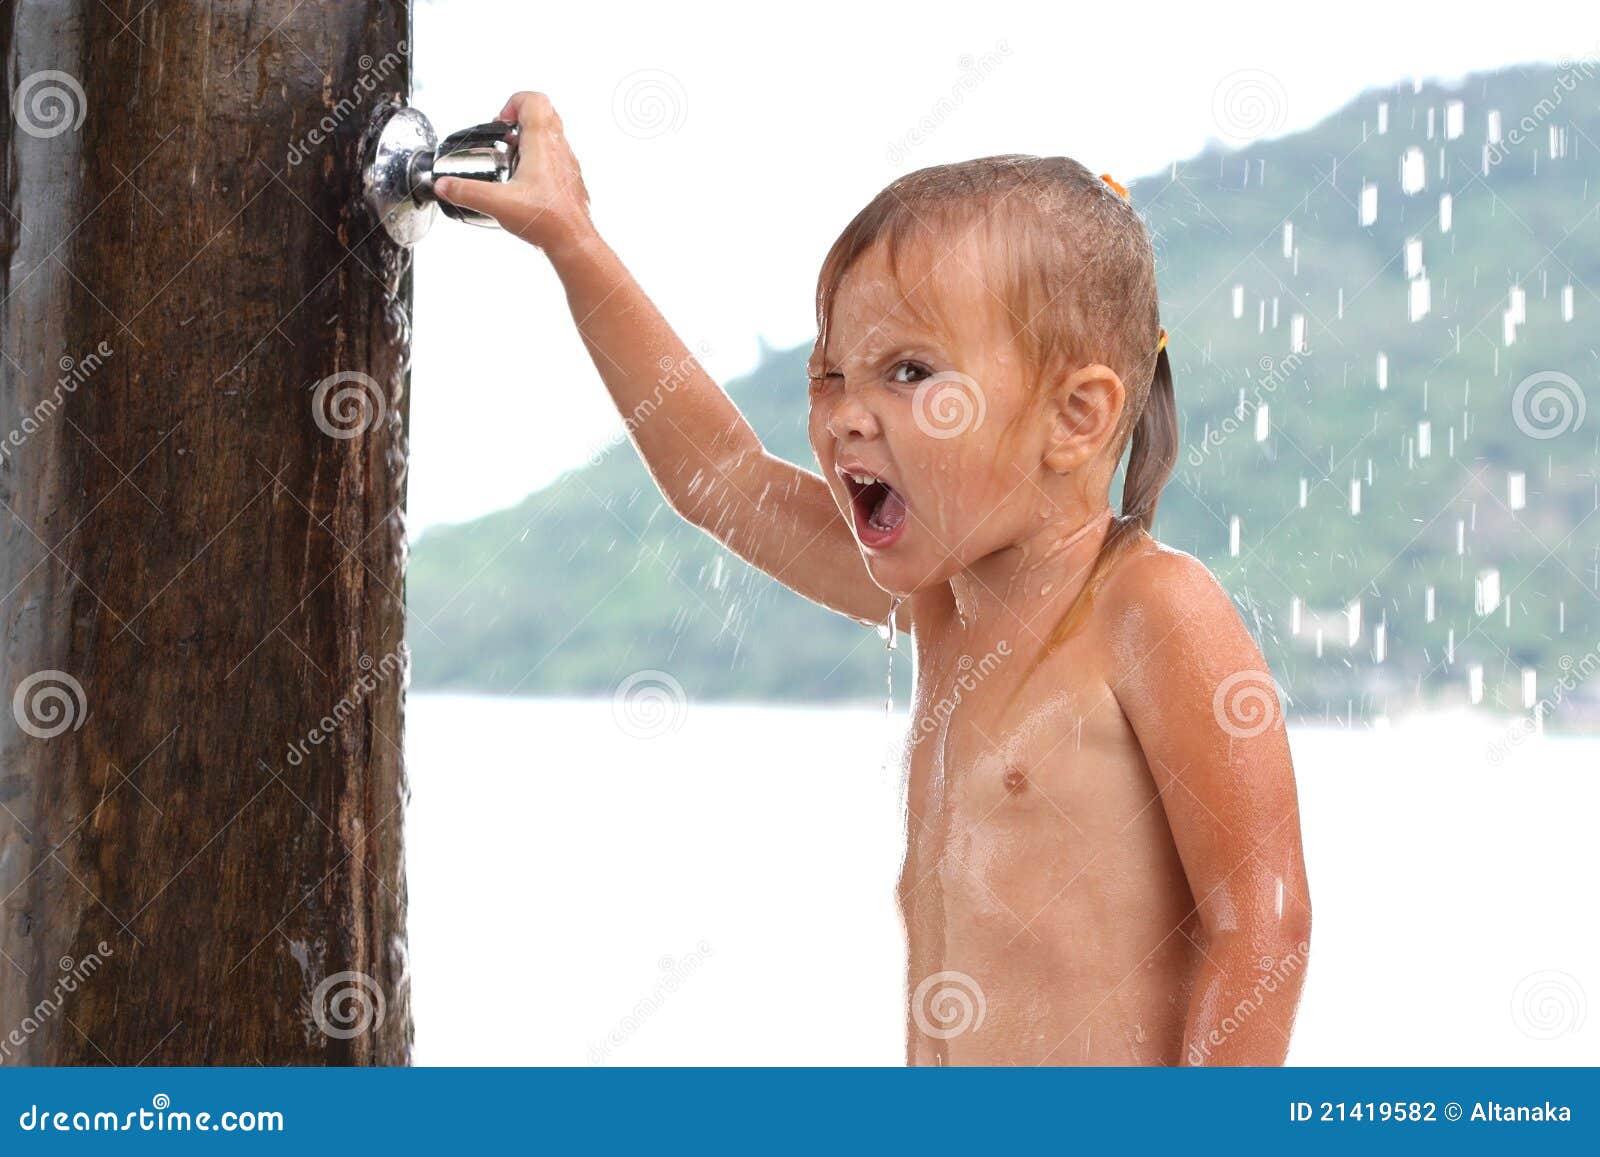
926	433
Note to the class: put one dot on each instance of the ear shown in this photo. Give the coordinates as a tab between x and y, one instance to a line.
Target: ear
1084	408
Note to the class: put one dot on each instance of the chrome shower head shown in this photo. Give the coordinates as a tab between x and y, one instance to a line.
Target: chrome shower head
403	157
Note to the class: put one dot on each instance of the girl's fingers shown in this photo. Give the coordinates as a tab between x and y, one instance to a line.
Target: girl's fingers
484	196
527	109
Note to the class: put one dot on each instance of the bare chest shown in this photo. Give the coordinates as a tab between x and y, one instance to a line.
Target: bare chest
990	741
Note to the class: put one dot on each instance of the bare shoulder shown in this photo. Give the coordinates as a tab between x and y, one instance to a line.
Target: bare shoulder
1183	658
1157	591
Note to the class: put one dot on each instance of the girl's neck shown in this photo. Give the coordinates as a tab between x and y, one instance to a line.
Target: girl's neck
1012	589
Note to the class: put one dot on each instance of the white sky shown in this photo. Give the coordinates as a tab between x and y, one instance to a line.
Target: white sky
777	128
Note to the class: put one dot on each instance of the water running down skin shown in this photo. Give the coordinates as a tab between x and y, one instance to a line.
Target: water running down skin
1102	863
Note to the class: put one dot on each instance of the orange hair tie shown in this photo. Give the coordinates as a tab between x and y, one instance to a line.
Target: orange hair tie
1162	344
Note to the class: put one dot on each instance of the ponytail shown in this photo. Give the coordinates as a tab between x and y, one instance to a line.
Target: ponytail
1155	448
1150	465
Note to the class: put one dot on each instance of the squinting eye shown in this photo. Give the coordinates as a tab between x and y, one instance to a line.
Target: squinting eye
917	367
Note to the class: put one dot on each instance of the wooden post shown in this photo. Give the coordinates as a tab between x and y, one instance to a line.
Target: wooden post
202	541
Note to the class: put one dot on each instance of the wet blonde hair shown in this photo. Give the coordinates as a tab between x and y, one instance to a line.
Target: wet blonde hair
1073	266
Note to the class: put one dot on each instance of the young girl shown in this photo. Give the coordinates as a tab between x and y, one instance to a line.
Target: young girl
1102	861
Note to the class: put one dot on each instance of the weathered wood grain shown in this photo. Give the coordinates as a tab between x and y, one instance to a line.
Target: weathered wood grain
210	846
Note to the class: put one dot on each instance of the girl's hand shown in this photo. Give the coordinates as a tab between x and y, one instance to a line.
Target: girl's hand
545	202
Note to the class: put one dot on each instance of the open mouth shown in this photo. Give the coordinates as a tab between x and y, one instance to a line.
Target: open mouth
879	509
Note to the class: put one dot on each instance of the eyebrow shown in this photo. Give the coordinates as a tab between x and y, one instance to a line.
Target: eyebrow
899	349
891	333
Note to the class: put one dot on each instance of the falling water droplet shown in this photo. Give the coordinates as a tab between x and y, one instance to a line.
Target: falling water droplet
1486	592
1369	204
886	632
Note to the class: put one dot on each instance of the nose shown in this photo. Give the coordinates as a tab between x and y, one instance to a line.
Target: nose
851	419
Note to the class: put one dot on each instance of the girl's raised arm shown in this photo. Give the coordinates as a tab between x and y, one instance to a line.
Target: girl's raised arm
704	457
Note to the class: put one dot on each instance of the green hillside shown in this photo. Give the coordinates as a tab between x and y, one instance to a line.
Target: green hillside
593	578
